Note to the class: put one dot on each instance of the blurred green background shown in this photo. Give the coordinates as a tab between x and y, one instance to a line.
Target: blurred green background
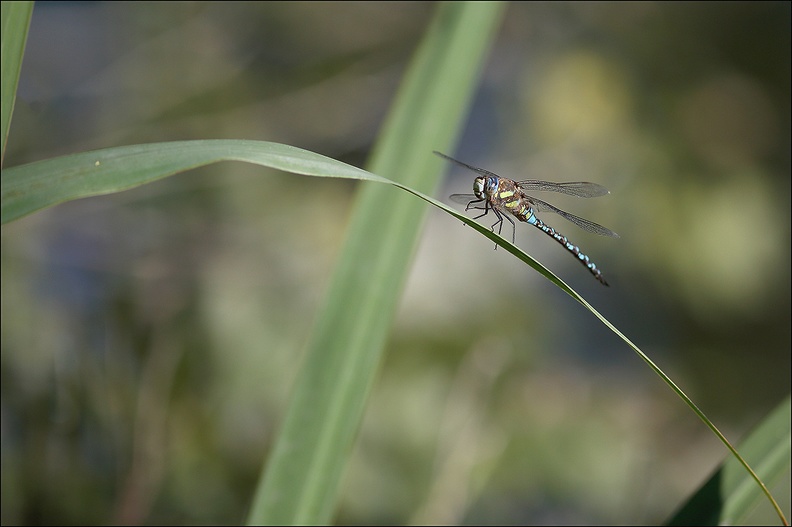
150	338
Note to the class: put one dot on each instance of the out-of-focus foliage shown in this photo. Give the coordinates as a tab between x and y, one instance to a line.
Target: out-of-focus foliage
137	328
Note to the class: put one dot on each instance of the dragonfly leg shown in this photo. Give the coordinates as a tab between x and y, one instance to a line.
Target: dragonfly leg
468	207
499	223
485	209
514	227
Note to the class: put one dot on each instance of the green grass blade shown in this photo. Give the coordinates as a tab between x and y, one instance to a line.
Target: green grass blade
731	494
302	477
14	24
35	186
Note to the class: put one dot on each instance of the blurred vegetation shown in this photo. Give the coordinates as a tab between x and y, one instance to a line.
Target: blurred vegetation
137	328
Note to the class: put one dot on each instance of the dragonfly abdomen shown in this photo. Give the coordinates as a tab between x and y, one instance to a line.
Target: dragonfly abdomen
574	249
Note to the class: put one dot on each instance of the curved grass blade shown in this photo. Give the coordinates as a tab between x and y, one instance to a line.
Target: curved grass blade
35	186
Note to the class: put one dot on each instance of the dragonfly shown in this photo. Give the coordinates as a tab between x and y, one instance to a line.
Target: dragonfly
506	197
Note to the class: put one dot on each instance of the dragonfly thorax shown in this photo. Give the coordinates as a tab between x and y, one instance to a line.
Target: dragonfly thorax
483	187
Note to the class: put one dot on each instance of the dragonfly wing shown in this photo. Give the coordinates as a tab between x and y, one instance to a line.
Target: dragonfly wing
584	224
464	199
469	167
581	189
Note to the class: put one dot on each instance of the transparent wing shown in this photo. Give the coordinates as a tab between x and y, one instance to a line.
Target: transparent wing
464	199
584	224
470	167
581	189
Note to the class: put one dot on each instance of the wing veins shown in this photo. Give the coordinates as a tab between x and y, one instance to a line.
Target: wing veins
584	224
581	189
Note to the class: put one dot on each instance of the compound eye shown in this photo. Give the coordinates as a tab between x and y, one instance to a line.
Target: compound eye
478	188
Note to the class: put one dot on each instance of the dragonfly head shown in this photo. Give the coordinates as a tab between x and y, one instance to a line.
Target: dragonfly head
484	186
478	188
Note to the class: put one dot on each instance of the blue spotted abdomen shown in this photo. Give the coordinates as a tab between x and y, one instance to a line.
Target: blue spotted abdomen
560	238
